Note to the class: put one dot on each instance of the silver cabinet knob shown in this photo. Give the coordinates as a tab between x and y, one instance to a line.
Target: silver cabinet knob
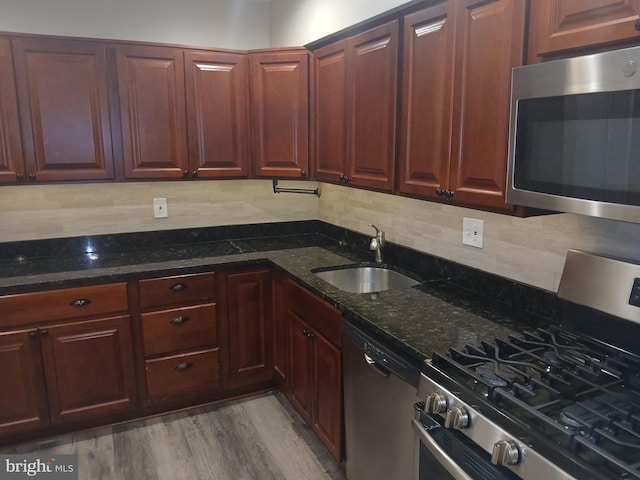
457	418
505	453
435	403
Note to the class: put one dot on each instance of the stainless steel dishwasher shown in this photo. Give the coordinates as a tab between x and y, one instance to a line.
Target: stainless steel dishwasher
380	389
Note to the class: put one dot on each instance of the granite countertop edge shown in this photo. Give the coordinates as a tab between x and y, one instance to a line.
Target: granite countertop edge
413	320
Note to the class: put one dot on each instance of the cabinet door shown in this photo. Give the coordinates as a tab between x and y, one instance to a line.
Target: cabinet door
152	111
327	415
329	116
372	107
280	108
489	43
89	368
280	331
250	325
301	363
216	86
11	162
23	398
423	165
557	25
63	96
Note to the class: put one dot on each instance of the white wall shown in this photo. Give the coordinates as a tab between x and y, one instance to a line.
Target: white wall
236	24
298	22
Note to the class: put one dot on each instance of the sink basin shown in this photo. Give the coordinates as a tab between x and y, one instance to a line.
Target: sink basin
365	278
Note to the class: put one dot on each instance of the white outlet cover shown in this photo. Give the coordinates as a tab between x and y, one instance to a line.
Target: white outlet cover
472	232
160	208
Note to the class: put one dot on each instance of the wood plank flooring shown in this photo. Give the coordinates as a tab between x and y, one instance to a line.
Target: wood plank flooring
256	438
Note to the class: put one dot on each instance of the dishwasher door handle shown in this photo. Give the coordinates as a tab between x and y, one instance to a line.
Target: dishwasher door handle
380	370
440	455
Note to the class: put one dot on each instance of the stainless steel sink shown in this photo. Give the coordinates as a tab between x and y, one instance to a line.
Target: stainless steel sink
365	278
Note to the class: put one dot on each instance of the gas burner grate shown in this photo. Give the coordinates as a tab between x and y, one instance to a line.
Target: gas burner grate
575	391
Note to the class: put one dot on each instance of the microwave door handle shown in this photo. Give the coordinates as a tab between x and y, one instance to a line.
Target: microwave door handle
436	450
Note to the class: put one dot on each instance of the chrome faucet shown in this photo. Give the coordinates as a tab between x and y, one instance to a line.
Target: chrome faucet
376	243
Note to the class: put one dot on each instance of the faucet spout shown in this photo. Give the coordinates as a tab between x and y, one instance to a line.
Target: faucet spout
376	243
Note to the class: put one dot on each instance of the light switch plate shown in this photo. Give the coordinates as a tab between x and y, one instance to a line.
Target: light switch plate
472	232
160	208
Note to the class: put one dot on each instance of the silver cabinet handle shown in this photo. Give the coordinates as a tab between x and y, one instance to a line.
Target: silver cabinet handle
436	450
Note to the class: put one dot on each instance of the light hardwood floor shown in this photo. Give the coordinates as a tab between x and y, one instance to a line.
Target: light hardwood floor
256	438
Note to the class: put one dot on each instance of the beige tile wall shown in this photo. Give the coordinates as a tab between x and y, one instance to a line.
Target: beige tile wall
48	211
529	250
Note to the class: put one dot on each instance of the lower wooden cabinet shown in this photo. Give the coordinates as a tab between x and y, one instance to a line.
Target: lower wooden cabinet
301	366
88	368
188	373
250	326
315	367
23	403
280	331
67	372
180	325
185	339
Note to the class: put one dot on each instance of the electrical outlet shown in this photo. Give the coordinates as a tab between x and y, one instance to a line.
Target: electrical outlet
472	232
160	208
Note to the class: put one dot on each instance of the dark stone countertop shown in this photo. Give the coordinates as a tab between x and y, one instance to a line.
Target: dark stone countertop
433	316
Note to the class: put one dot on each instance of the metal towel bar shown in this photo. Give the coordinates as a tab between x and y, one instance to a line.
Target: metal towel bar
277	189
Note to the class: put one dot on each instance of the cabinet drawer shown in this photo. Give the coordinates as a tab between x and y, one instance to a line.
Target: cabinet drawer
179	329
66	303
320	316
175	290
182	374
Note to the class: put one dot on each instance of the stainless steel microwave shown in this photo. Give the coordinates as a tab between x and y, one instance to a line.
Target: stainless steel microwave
575	135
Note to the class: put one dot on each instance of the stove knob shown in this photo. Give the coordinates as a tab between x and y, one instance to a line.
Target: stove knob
457	418
505	453
435	403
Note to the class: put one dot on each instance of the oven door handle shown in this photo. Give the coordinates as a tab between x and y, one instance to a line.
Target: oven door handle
436	450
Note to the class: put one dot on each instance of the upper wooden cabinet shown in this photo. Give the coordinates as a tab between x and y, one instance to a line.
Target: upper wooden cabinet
11	163
183	113
426	102
560	25
489	43
217	103
354	105
152	111
280	113
455	123
63	98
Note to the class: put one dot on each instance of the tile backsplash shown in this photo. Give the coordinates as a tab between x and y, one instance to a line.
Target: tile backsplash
32	212
528	250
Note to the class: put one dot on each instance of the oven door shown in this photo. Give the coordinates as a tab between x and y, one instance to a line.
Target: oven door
448	455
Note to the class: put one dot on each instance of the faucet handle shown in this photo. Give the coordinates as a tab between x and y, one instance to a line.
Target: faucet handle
379	234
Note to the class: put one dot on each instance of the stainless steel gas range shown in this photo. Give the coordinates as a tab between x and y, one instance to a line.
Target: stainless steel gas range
557	403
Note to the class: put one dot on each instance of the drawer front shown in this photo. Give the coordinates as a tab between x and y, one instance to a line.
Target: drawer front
61	304
320	316
183	374
179	329
176	290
